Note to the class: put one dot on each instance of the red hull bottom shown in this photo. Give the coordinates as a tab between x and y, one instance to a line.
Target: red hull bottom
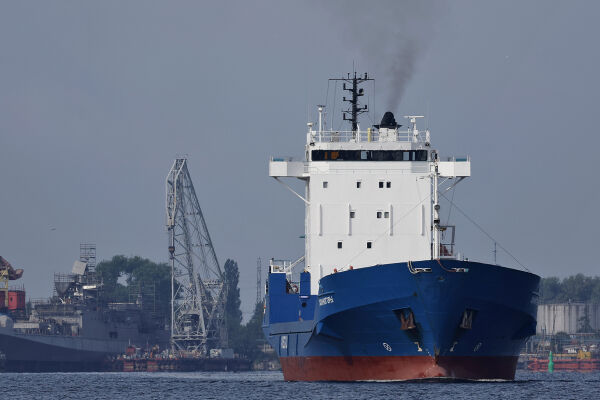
396	368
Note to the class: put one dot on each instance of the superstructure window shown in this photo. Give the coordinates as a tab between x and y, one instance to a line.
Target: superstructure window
358	183
339	245
386	214
352	214
369	245
324	184
369	155
421	155
388	184
380	184
379	214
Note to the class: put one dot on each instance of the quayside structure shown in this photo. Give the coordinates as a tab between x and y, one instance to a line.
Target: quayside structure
198	290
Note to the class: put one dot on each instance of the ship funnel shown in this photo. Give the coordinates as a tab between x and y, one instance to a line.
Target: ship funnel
388	121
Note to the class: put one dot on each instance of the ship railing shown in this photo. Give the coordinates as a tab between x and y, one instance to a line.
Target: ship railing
447	241
367	136
55	309
447	250
39	302
123	306
88	279
281	266
46	329
459	159
284	159
285	266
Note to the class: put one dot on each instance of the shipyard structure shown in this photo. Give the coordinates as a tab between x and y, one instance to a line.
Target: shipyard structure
78	328
82	328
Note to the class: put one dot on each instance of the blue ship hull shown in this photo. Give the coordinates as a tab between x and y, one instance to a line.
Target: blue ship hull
447	318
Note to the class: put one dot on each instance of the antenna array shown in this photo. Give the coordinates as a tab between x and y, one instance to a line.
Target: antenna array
355	108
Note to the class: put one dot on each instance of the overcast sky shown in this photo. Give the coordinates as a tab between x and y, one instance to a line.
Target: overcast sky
98	98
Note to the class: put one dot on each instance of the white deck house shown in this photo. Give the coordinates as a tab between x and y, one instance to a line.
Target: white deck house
370	196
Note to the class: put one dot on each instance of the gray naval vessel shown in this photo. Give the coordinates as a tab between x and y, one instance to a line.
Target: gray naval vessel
77	329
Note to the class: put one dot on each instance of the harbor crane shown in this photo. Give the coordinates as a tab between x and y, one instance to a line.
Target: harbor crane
198	290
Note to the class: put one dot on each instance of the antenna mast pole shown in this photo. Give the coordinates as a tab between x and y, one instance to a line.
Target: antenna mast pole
355	108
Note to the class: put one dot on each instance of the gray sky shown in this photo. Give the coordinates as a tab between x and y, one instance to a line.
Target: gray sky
96	99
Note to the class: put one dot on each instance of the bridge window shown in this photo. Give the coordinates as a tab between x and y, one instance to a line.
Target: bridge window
379	214
352	214
386	214
324	184
339	245
388	184
380	184
369	155
369	245
358	184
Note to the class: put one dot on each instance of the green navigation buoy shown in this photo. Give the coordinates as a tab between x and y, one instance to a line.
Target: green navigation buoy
550	363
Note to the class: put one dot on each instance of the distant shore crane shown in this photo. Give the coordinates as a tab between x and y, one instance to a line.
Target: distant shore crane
198	290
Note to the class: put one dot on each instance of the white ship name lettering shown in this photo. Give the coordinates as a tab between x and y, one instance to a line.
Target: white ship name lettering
325	300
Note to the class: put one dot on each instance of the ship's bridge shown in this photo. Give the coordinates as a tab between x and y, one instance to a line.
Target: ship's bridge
380	143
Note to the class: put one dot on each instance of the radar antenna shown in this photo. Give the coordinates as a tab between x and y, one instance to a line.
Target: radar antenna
198	290
355	108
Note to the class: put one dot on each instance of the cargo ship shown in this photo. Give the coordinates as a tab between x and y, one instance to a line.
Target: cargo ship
77	329
381	293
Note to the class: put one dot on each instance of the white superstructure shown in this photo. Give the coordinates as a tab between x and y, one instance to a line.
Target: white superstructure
370	196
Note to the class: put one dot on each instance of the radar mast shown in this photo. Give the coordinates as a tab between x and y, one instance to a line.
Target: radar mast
355	109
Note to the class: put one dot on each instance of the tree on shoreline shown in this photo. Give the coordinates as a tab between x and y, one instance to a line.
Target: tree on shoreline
245	339
576	288
138	273
233	313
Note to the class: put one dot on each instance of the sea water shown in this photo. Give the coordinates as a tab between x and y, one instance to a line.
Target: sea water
270	385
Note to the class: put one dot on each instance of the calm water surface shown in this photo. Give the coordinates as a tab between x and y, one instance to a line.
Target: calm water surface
270	385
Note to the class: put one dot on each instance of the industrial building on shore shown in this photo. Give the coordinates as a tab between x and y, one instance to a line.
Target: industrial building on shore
569	318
